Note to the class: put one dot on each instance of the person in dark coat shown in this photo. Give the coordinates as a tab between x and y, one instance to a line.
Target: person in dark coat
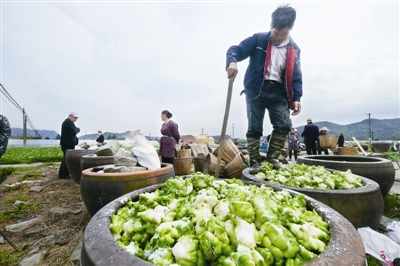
68	141
170	137
341	139
293	143
310	135
100	138
5	133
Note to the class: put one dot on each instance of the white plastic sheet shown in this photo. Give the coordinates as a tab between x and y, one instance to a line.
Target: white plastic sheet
393	231
379	246
144	151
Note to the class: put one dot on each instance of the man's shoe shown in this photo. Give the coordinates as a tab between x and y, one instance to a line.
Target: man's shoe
65	177
275	164
254	167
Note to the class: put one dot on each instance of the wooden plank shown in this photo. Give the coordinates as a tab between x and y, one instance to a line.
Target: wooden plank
359	146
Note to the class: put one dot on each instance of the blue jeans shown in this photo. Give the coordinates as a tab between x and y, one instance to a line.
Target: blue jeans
273	98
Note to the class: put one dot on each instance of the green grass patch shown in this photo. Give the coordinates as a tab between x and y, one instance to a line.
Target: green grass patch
17	211
9	258
31	155
12	188
373	261
5	172
392	205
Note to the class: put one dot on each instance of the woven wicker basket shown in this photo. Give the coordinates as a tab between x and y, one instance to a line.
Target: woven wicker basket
328	141
352	151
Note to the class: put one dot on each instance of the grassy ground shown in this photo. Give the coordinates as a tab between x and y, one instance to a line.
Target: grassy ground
31	155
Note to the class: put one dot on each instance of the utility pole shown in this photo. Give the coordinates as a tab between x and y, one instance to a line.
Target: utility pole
369	127
24	126
233	130
201	130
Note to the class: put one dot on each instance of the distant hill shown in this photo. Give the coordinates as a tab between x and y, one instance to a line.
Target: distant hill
106	134
18	132
381	129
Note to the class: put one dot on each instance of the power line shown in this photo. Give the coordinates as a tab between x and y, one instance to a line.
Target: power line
10	98
14	102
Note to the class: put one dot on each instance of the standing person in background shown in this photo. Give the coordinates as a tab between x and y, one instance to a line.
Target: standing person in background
310	135
100	138
170	137
293	143
5	133
341	139
68	141
323	131
273	81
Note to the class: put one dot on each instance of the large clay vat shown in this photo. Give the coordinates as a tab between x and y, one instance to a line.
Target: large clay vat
92	160
73	161
361	206
98	189
380	146
377	169
99	247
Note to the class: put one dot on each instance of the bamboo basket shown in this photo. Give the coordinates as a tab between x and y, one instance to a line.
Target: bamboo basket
327	141
352	151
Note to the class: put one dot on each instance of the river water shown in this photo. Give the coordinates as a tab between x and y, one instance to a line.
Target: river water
32	143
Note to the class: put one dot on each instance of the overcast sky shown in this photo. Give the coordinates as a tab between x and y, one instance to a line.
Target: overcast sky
119	64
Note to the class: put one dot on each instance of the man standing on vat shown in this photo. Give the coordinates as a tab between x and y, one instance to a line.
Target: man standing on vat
68	141
273	81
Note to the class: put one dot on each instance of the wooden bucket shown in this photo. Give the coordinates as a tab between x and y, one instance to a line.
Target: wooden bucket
235	167
352	151
182	165
199	163
185	153
229	150
210	166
